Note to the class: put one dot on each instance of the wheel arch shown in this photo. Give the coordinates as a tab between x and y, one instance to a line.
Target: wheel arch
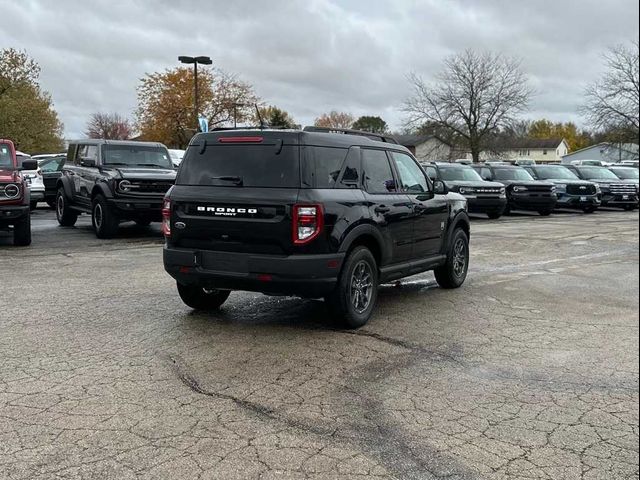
368	236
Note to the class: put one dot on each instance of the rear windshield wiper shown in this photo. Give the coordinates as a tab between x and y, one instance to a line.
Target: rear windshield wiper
236	180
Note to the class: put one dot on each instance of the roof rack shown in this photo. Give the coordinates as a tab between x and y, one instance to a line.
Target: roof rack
348	131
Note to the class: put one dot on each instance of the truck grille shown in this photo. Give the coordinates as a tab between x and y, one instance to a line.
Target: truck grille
540	188
584	189
142	187
623	189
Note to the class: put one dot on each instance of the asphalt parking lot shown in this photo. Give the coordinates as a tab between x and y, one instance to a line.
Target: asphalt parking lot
529	371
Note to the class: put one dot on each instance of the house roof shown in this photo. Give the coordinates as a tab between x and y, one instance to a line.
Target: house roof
632	148
414	140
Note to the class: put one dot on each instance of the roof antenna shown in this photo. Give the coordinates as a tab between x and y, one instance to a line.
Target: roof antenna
262	124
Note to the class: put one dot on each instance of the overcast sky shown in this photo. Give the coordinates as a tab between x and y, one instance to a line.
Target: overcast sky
310	56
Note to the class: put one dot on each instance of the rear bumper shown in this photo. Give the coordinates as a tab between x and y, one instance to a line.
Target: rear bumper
9	214
486	205
150	208
311	276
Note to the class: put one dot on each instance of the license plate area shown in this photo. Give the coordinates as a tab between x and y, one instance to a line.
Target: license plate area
583	199
225	262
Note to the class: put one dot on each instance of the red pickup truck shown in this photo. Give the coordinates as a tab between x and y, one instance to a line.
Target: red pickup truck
14	194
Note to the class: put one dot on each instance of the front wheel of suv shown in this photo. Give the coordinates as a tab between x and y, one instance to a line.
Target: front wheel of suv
589	209
66	217
355	296
545	213
494	215
454	272
105	222
200	298
22	232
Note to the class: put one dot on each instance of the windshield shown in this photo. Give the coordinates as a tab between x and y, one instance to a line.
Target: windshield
6	159
512	174
241	166
626	173
597	173
143	156
460	174
558	173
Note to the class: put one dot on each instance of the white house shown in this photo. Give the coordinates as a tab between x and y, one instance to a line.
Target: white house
541	150
605	152
426	148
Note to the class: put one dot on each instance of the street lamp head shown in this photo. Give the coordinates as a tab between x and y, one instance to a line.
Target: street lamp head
184	59
204	60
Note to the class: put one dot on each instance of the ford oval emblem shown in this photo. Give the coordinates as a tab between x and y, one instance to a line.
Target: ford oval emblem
180	225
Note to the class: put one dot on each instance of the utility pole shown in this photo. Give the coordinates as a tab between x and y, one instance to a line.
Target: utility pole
195	61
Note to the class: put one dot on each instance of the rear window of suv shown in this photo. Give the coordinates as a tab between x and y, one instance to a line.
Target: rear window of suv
241	166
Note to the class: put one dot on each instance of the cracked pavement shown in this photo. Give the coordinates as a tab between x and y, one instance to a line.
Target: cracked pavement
530	371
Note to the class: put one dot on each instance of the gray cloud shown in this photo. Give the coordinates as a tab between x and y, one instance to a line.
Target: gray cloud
310	56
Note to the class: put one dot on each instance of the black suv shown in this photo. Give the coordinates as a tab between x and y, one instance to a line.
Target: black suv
312	213
523	191
113	181
572	192
615	192
483	196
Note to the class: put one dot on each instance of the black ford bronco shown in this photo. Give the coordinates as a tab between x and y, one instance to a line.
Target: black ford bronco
313	213
113	181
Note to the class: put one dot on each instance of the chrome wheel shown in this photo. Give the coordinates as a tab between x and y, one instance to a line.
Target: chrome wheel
459	258
361	287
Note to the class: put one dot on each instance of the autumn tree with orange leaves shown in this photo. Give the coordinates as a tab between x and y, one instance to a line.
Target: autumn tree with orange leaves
165	103
335	119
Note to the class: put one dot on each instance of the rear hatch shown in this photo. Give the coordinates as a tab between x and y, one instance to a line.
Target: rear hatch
235	191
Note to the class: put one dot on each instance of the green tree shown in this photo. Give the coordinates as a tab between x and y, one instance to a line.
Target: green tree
371	124
544	128
26	111
276	117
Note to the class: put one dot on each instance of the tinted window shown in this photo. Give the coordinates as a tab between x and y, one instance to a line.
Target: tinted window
626	173
556	173
512	174
328	164
143	156
248	165
599	173
351	173
6	160
452	174
377	172
411	178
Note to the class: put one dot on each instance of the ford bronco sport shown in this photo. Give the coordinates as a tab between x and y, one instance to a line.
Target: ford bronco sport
312	213
14	194
113	181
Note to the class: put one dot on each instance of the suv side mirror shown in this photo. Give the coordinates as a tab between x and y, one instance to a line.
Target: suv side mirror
29	164
88	162
440	188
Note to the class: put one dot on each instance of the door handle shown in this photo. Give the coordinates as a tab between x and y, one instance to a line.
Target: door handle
419	208
382	209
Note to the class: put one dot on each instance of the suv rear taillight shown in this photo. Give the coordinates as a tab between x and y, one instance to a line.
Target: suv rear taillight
166	217
308	221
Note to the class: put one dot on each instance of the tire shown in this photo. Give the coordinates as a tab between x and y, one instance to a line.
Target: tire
143	223
199	298
494	215
22	232
507	210
589	209
629	208
105	222
66	217
33	205
545	213
454	272
356	293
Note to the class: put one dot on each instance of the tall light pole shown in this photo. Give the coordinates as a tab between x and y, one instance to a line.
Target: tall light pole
195	61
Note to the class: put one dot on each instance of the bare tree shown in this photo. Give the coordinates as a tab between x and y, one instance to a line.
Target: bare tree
335	119
474	96
612	103
110	126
